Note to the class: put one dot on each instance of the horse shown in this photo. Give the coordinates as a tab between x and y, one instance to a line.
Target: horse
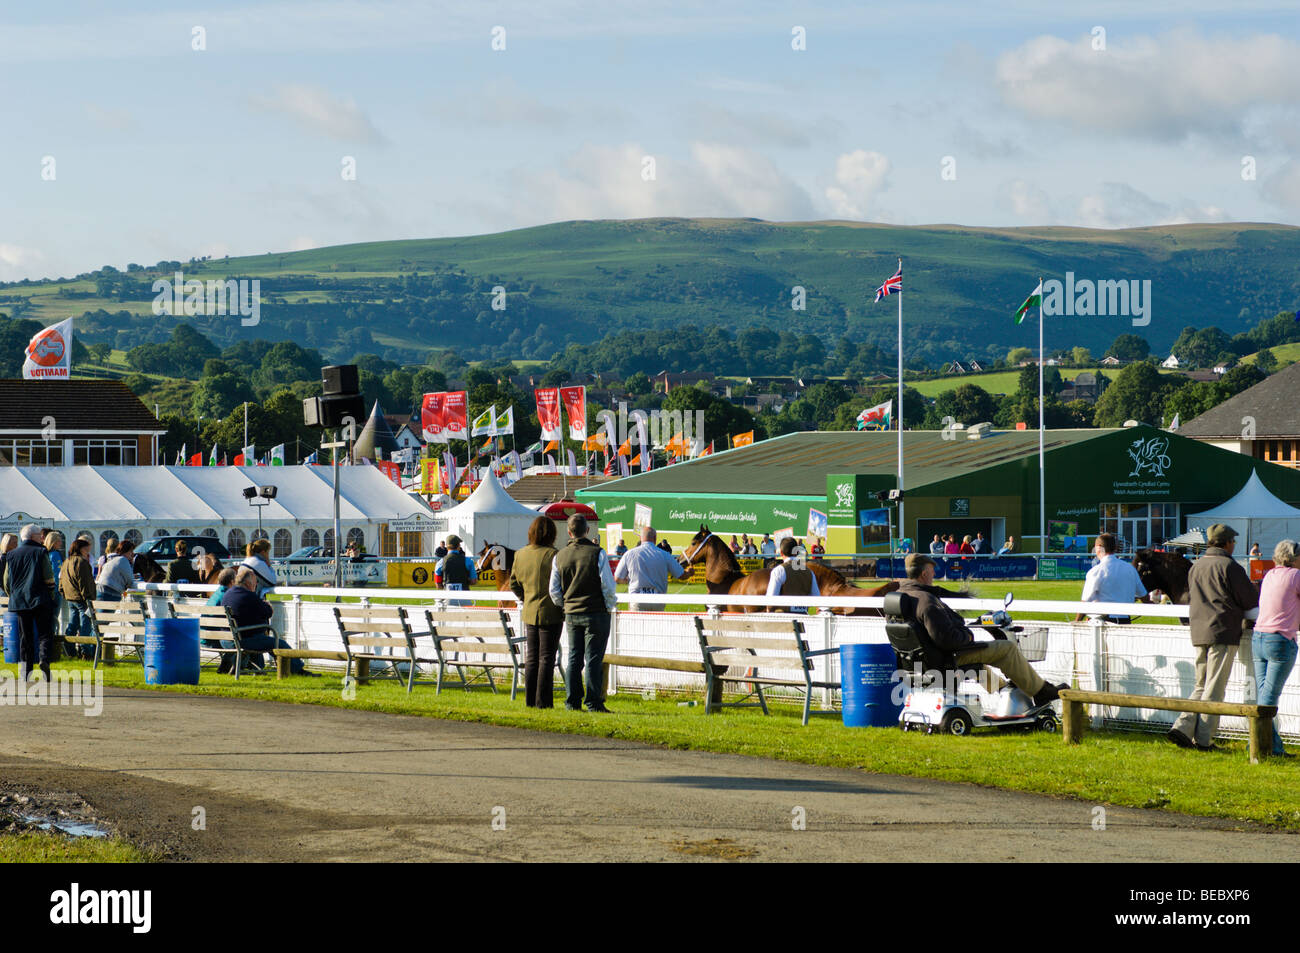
723	576
147	568
1164	571
500	559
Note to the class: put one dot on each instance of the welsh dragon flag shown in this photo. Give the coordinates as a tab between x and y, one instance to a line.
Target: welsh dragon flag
879	417
1034	300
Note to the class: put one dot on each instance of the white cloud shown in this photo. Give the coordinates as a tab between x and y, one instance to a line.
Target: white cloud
859	176
316	110
1027	202
1163	88
1118	205
302	243
18	262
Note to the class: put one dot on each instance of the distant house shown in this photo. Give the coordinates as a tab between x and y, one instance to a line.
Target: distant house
759	402
99	423
1170	362
785	386
1201	376
1111	360
1222	368
666	380
1084	387
956	368
406	429
975	367
1274	412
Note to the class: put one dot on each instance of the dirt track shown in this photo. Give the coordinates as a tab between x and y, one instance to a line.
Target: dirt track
298	782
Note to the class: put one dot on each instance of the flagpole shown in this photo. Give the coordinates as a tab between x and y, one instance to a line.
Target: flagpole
1042	481
900	409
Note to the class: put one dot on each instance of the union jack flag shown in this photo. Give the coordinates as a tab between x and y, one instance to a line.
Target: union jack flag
892	284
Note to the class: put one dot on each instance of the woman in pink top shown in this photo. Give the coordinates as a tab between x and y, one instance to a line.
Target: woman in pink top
952	547
1274	642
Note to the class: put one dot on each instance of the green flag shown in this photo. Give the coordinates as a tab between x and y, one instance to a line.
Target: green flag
1034	300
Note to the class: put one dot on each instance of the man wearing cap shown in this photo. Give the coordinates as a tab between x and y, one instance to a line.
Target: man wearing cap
949	632
455	570
646	568
1220	594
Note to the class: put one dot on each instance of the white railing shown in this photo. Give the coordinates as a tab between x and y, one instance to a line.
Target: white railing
1144	659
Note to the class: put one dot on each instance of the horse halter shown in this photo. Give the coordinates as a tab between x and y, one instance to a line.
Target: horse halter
690	556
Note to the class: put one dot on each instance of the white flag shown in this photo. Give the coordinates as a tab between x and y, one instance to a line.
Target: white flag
49	354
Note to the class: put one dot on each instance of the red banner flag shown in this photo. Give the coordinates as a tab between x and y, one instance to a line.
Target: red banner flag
431	418
391	470
455	419
575	405
548	412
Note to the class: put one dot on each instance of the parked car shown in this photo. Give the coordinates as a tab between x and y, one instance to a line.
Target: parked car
164	547
311	554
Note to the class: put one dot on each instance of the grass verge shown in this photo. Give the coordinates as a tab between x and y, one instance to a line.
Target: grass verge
43	847
1129	769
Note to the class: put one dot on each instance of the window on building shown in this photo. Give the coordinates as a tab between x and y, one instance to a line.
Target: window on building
162	532
235	542
282	543
356	538
107	541
31	453
134	536
328	542
258	534
310	538
1139	525
98	453
185	532
209	532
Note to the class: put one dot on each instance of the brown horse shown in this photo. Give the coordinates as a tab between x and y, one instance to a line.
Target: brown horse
723	576
1164	571
498	558
147	568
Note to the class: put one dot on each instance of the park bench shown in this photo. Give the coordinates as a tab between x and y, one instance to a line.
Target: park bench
374	634
116	625
485	633
216	625
649	662
1260	717
756	645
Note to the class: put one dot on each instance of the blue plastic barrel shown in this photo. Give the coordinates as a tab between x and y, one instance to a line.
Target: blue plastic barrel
13	636
868	686
171	651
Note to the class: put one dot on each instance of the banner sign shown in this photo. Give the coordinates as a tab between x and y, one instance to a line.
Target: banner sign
49	353
548	412
431	418
455	419
575	405
642	515
1064	567
817	524
391	470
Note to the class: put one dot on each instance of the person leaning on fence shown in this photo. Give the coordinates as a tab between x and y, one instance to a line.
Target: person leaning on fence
948	631
791	577
1008	547
582	584
77	586
249	609
117	574
1220	594
1274	643
530	579
646	568
181	569
29	583
1112	580
258	561
936	546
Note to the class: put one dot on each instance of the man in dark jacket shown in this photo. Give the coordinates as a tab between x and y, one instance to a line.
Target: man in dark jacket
180	569
582	584
948	631
1219	595
248	610
29	583
77	585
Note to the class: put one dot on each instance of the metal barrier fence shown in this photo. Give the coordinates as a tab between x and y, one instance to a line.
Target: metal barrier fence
1150	659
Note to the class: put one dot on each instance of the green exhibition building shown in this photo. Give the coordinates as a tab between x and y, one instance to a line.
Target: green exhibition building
1140	483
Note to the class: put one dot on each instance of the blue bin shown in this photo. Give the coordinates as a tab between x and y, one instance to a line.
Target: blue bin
13	635
171	651
868	686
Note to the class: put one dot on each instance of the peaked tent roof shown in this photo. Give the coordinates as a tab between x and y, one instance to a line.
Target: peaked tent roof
1253	501
1271	404
489	515
490	498
376	435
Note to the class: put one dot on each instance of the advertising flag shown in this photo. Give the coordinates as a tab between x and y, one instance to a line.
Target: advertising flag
49	353
249	454
485	424
743	439
212	458
623	468
455	420
643	437
548	412
391	470
196	460
432	412
277	455
506	422
573	465
575	405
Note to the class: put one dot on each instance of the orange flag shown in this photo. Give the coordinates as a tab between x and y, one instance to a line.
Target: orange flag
553	445
742	439
635	460
626	449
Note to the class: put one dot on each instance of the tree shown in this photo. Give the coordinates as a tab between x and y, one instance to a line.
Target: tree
1018	355
968	404
1241	377
1138	393
1028	384
1081	356
637	383
1129	347
218	395
1266	361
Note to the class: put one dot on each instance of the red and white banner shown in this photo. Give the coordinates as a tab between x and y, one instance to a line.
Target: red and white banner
391	470
548	412
49	354
575	405
455	414
431	418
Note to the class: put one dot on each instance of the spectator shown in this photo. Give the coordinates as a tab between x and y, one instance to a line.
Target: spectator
1008	547
530	578
258	562
440	551
77	586
355	556
792	577
180	569
117	574
455	570
646	568
666	546
936	546
1112	579
210	569
748	549
966	548
225	579
582	584
735	546
1254	551
981	545
1220	594
110	550
1274	643
620	550
247	609
767	548
818	550
54	547
949	632
8	543
951	546
29	583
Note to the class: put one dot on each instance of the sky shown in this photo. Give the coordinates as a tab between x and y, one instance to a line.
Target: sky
142	131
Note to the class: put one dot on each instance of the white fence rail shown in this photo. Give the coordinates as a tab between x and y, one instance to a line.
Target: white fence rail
1143	659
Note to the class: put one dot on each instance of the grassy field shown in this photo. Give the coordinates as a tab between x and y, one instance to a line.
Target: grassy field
1005	382
47	848
1121	768
1285	354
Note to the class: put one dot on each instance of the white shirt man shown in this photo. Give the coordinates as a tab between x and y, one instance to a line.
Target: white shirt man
767	547
792	566
1112	579
646	568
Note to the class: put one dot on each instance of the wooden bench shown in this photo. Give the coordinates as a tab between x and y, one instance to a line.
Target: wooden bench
366	630
116	625
479	632
650	662
217	625
756	645
1074	718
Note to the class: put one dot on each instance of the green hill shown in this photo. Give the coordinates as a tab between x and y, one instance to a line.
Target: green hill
578	281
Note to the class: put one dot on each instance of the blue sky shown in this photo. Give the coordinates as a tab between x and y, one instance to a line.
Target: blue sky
162	151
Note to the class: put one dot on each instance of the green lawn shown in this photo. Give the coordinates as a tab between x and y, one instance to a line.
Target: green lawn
1121	768
47	848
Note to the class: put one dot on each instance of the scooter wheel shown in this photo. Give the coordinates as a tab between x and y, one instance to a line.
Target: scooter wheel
1049	724
956	722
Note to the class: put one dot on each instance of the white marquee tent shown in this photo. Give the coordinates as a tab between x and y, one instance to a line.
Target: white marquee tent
144	502
1256	514
489	515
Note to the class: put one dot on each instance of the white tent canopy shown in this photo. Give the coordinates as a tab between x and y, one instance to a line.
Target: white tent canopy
1256	514
144	502
489	515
